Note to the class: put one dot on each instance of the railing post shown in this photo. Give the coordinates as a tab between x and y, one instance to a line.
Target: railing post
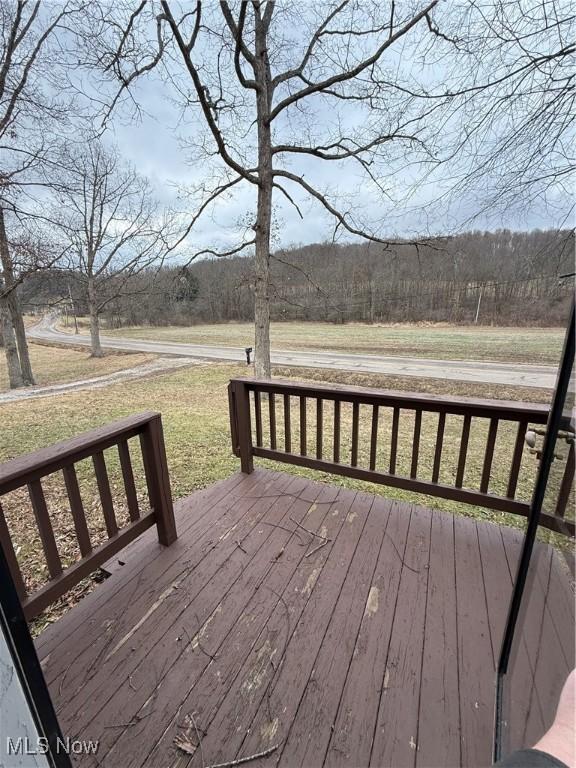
158	480
241	398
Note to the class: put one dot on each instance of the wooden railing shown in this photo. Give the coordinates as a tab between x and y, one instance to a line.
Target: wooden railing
30	469
292	420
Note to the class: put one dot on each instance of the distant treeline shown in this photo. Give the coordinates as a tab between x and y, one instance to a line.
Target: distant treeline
502	277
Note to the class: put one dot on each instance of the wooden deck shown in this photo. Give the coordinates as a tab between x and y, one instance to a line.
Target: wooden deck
371	643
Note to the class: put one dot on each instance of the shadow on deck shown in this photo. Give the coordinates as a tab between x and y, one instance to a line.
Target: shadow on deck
371	641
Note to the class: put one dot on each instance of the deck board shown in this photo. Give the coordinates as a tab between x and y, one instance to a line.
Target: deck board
376	648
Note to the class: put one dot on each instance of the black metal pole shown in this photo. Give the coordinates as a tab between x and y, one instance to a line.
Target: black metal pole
554	421
28	669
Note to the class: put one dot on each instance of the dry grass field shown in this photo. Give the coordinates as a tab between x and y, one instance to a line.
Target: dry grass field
55	365
444	342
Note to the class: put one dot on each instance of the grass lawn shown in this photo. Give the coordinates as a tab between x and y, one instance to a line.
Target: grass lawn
55	365
194	407
522	345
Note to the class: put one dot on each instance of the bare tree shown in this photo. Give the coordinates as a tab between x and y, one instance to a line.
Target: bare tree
273	85
509	129
113	224
31	104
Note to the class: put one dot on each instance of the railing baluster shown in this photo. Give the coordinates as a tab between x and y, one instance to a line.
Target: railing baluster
416	443
439	446
337	431
45	528
566	485
355	425
489	455
77	510
287	428
128	477
303	440
29	471
394	440
258	418
272	413
516	459
105	495
463	451
10	555
319	426
374	437
233	413
156	470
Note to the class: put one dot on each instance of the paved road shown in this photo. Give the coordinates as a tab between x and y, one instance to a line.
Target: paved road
510	374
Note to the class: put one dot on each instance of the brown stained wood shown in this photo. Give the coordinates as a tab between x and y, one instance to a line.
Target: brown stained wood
416	443
128	478
151	565
516	459
336	452
77	510
551	667
439	712
241	402
463	451
311	727
206	581
489	455
351	740
303	438
519	684
272	418
410	484
59	585
32	466
10	555
287	428
233	416
45	529
258	417
401	692
138	651
394	440
567	483
355	426
374	437
243	718
219	686
475	661
105	494
226	632
319	427
439	445
504	409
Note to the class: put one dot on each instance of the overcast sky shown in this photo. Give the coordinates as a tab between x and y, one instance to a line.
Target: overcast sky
153	143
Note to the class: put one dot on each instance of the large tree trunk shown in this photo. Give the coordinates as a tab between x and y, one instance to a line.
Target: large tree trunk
264	209
14	306
12	361
94	319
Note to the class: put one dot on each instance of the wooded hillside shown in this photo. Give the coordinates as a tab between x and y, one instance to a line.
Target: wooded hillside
504	277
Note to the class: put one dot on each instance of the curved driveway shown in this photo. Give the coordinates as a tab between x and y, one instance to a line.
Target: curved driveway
511	374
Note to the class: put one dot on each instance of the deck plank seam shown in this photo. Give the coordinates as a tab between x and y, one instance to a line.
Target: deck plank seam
249	598
390	639
322	554
271	681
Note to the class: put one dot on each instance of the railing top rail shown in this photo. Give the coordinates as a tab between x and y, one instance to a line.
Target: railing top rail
503	409
31	466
